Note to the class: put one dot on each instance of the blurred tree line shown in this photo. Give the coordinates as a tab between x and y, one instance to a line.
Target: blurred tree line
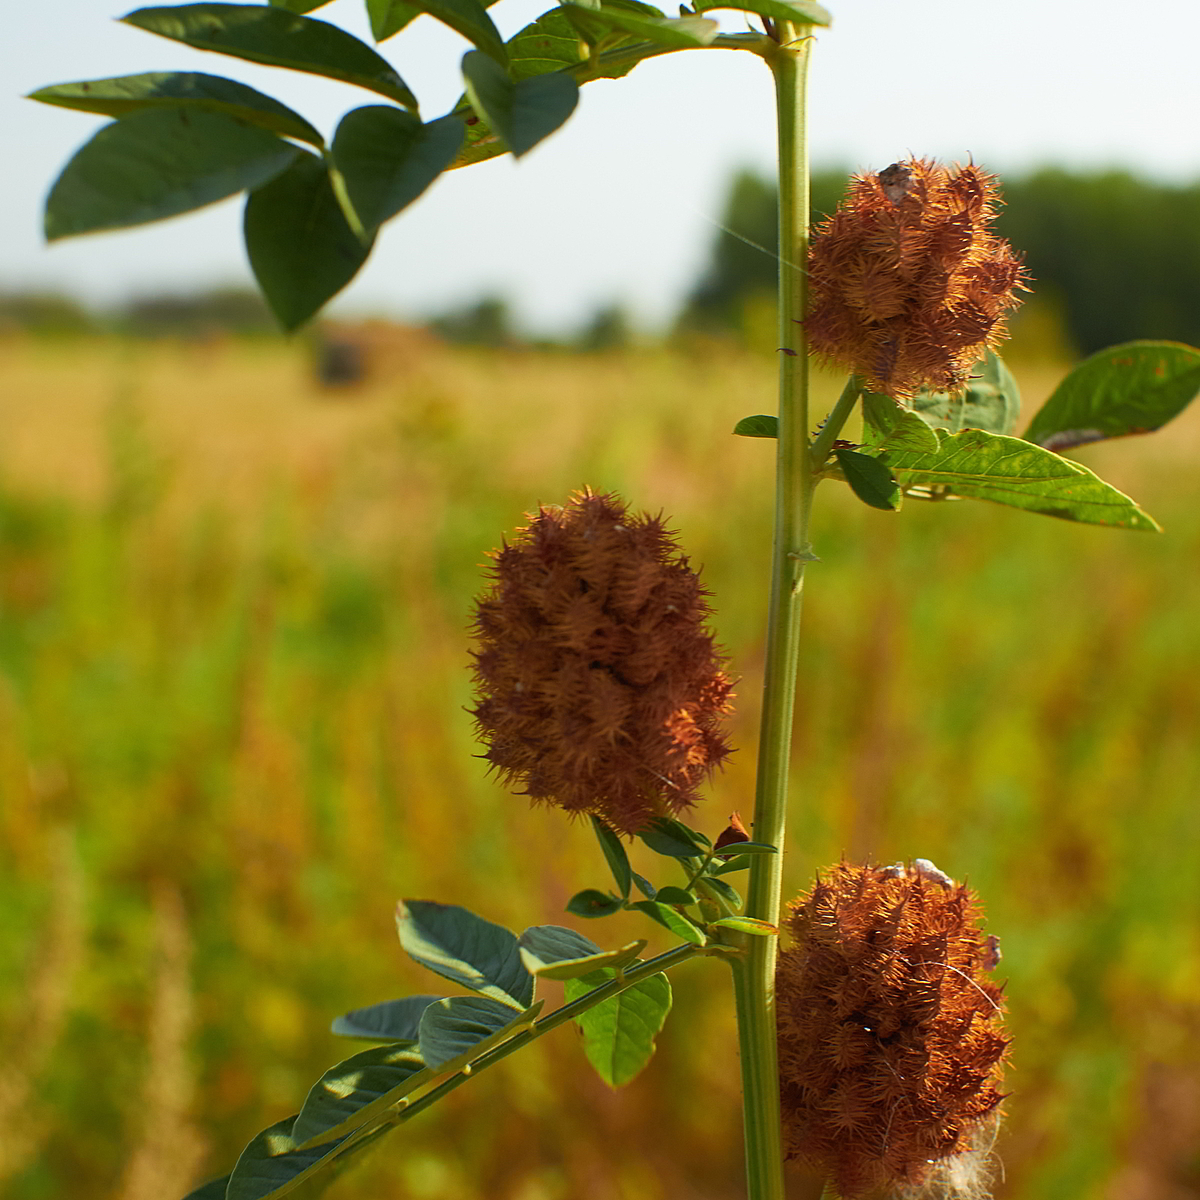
1113	257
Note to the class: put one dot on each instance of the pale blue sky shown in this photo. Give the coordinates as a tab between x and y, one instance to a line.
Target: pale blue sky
620	203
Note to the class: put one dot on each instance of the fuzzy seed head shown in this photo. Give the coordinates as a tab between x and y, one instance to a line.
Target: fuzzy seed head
908	286
890	1039
599	688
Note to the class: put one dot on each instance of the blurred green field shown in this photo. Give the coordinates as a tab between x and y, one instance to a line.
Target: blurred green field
232	734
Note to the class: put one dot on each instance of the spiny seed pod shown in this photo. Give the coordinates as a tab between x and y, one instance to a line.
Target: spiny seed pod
599	687
890	1042
908	286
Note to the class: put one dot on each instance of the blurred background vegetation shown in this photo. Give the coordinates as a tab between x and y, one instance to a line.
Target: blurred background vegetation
235	583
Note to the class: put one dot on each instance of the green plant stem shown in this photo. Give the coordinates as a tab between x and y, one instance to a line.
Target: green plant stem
754	974
837	418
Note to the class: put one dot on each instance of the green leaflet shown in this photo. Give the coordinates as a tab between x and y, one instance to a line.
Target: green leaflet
887	424
457	1029
158	163
666	836
465	948
592	902
387	158
679	33
278	38
522	112
992	401
804	12
1007	470
554	952
391	1021
1132	388
619	1033
300	247
761	425
614	854
173	89
869	479
345	1090
271	1165
298	6
670	919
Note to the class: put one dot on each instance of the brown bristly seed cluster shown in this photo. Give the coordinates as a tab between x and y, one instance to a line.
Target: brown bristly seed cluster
599	687
890	1041
908	286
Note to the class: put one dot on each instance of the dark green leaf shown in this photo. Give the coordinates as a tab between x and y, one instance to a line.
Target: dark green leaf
391	1021
667	917
869	479
644	886
1010	471
1133	388
388	17
344	1091
465	948
678	33
272	1164
761	425
619	1033
614	853
159	163
749	848
552	952
522	112
726	891
388	158
741	863
747	925
992	401
545	944
299	6
278	38
214	1189
671	838
301	249
593	903
458	1029
173	89
801	12
674	895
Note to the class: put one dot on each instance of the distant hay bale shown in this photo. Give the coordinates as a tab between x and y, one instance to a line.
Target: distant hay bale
349	354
